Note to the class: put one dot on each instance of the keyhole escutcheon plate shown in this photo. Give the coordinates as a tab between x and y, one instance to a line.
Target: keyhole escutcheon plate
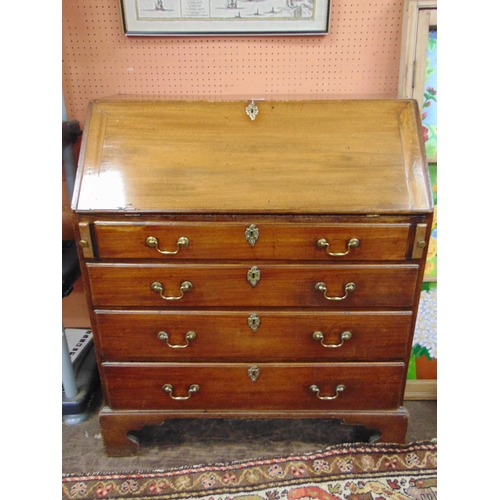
253	275
252	234
253	373
253	322
252	110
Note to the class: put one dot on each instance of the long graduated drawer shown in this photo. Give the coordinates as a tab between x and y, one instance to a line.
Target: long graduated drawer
212	285
262	334
182	241
229	386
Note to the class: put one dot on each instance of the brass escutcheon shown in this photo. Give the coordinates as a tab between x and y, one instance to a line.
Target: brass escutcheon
253	373
253	322
252	110
253	275
252	234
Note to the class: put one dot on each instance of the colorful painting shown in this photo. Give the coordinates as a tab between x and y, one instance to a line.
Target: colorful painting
429	105
423	359
431	264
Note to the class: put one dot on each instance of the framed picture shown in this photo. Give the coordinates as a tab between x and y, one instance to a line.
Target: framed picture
418	80
225	17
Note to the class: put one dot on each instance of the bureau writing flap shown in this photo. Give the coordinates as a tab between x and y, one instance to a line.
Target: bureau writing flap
314	157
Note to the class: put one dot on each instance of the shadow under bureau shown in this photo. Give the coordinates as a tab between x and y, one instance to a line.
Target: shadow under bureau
252	259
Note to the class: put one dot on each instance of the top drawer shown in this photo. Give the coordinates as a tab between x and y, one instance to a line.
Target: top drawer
225	241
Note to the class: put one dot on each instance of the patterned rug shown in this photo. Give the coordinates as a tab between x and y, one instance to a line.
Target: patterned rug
342	472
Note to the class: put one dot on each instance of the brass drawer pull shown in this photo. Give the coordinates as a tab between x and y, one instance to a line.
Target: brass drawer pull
319	336
349	287
169	389
152	242
156	286
352	243
340	388
189	336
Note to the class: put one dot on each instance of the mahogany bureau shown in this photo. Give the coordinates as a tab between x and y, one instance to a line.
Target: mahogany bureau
257	260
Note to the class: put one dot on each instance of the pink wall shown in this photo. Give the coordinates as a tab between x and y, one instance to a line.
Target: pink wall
360	57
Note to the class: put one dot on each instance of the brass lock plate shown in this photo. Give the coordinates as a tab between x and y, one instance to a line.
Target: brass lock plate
253	373
253	275
252	234
252	110
253	322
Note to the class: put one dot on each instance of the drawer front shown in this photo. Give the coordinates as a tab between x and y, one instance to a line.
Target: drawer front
223	241
161	285
367	386
244	336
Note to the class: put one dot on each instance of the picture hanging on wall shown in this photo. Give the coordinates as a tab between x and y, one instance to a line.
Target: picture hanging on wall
225	17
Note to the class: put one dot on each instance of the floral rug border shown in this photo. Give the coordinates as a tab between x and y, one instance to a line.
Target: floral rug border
352	471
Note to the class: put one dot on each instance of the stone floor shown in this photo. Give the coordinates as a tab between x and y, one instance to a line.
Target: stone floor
192	442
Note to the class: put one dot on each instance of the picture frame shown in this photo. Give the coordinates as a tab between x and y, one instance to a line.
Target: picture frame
419	18
225	17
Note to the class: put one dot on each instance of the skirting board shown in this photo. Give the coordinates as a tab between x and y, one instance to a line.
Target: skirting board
421	389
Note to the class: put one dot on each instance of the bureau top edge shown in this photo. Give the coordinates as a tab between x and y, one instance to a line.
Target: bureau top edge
130	212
